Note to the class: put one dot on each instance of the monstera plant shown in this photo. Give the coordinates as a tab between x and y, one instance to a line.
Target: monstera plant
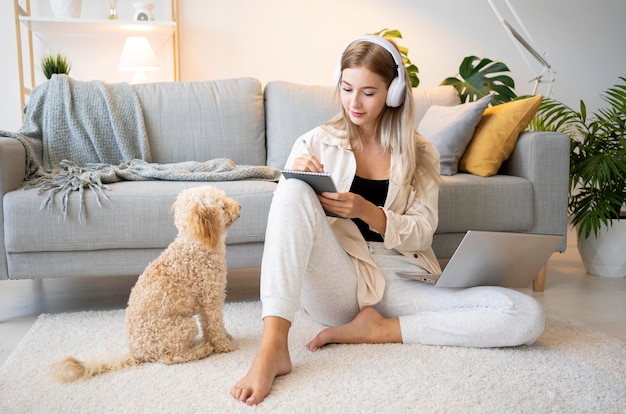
479	77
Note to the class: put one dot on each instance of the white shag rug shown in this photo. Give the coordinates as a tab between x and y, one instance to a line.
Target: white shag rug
571	368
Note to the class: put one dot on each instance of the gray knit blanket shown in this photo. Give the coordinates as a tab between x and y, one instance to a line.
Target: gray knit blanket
85	135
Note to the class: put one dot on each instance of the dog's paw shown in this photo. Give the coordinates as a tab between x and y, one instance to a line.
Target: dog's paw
224	347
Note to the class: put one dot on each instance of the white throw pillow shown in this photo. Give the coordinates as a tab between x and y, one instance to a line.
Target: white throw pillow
451	128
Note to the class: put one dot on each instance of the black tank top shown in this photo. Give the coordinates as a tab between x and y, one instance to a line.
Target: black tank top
374	191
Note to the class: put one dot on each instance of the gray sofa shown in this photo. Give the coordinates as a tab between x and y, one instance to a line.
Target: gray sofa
240	120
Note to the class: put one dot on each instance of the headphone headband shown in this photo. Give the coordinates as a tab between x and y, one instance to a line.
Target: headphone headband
395	93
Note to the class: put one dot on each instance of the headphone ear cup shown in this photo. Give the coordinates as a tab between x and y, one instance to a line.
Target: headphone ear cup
395	93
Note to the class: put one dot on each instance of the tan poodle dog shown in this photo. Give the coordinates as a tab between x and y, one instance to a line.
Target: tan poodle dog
174	311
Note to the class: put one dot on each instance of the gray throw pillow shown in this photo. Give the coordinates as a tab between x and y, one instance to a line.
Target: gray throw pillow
451	128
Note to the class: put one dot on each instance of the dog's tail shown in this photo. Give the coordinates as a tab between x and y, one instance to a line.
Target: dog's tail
71	369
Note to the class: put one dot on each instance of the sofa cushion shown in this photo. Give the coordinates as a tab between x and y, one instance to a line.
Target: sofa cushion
496	135
136	217
199	121
293	109
498	203
450	129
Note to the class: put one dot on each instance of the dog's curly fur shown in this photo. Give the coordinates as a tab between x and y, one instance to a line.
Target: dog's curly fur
174	312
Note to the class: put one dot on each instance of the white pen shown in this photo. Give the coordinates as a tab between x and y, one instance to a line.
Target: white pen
306	147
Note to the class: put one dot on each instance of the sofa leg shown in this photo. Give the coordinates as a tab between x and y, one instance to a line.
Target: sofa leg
539	283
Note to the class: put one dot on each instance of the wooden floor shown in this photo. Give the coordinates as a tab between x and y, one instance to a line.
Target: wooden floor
599	302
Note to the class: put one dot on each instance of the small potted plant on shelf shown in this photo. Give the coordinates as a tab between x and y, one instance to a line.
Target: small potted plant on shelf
597	190
51	64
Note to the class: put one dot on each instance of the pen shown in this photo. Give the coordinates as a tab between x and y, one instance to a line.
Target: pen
306	147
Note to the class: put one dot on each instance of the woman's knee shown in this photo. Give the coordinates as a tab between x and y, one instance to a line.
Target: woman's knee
527	318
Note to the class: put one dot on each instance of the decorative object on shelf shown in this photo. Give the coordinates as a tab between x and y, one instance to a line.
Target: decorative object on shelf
112	9
66	8
51	64
138	56
143	11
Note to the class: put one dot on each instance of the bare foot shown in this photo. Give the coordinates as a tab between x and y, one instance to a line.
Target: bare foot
271	361
368	327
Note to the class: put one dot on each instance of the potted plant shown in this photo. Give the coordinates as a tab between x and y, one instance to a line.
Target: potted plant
51	64
597	189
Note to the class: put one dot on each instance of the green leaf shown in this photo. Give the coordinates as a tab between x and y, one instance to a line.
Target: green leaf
55	64
479	77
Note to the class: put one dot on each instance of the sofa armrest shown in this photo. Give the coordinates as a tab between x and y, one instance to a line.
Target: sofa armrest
543	159
12	174
12	164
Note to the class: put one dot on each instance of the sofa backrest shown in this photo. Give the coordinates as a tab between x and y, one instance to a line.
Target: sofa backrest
292	109
237	119
199	121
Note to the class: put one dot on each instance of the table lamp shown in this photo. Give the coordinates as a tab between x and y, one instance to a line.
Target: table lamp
138	56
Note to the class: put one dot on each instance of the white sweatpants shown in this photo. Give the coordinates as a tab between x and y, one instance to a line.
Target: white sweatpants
305	266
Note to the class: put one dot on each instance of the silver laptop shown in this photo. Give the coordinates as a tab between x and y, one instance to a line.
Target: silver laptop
494	259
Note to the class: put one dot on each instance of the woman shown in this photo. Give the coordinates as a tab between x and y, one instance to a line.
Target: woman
342	271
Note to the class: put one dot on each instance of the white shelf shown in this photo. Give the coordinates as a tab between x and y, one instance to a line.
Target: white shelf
46	28
95	27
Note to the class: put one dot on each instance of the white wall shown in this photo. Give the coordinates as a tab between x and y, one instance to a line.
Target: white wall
300	41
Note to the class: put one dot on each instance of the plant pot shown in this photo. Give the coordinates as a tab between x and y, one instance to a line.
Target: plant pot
66	8
604	255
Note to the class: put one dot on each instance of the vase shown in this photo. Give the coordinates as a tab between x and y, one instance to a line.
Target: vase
66	8
604	255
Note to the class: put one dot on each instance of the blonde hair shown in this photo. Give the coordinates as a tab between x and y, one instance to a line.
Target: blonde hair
396	126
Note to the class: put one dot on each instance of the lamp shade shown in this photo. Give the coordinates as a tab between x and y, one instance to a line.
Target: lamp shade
137	55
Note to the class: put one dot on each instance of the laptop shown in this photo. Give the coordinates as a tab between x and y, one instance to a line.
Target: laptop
485	258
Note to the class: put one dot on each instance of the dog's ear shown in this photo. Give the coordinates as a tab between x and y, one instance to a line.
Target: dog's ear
205	224
232	211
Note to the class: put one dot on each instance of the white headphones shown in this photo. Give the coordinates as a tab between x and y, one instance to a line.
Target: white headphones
395	93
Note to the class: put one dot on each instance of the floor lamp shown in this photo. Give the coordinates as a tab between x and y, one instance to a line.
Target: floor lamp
547	74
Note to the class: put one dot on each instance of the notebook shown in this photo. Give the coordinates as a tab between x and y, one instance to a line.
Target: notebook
494	259
320	181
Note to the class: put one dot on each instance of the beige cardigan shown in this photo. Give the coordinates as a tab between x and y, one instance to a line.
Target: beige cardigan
411	223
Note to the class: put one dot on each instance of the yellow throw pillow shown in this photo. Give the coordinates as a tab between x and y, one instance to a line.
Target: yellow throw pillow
496	135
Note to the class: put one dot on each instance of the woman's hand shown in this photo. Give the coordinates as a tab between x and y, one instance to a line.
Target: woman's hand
350	205
307	162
